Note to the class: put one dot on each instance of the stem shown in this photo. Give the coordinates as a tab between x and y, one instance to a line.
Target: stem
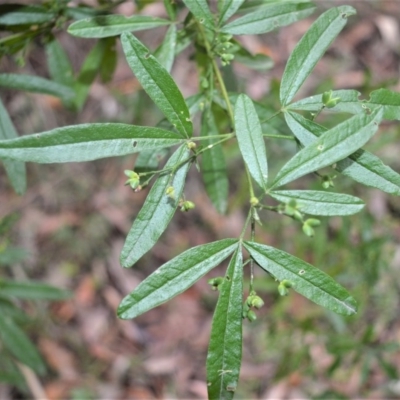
245	225
271	117
286	137
253	230
189	159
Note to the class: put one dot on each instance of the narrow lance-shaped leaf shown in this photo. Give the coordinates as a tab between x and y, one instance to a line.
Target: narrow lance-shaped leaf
227	8
268	18
16	341
349	102
86	142
175	276
36	84
311	48
200	9
157	211
59	65
334	145
166	51
29	15
361	166
89	70
157	83
225	349
213	166
109	61
31	290
316	202
113	25
306	279
250	139
16	170
148	160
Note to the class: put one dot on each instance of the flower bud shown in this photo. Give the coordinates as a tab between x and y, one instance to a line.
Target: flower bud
251	316
254	201
257	302
283	290
187	205
308	230
313	222
328	101
170	192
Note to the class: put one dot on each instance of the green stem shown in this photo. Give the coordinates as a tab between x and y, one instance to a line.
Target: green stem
286	137
271	117
252	236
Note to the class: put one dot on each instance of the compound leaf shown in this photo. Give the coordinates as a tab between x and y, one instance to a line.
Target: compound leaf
332	146
250	140
306	279
200	9
86	142
16	341
157	211
269	17
225	349
362	166
113	25
213	166
175	276
311	48
157	83
16	170
316	202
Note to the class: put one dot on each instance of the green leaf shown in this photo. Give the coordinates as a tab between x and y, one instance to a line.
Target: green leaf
148	160
350	103
109	61
311	48
31	290
213	166
225	349
361	166
59	65
307	280
29	15
89	70
9	309
15	340
36	84
258	62
175	276
227	8
158	84
334	145
250	139
86	142
200	9
389	100
157	211
165	53
317	202
113	25
268	18
16	170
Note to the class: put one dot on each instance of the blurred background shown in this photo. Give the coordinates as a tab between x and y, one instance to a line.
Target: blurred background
69	228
